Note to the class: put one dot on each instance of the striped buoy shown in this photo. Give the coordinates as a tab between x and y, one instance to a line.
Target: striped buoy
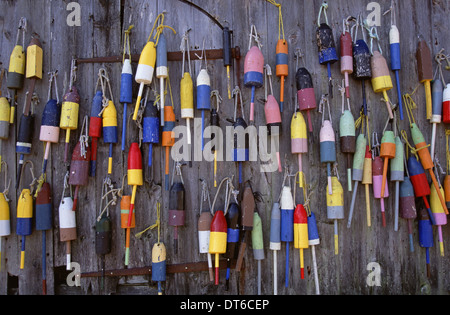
162	70
387	152
367	181
362	70
159	265
218	240
347	134
420	183
425	72
24	142
203	96
95	129
49	132
287	224
203	227
126	95
282	69
24	220
327	50
335	209
377	175
407	207
135	176
328	149
79	170
358	171
299	141
258	245
177	210
233	228
394	41
227	57
150	126
436	117
426	159
346	60
67	226
426	235
168	139
144	72
440	218
301	239
69	115
5	221
5	114
306	97
44	222
125	203
314	240
381	78
397	172
110	134
446	105
275	241
187	102
253	74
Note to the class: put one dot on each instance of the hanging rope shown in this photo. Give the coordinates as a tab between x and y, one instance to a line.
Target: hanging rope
323	9
183	47
205	196
235	92
126	43
323	101
156	224
255	37
84	137
159	28
280	19
7	183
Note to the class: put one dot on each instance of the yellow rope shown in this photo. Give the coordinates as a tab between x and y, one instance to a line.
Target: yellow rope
159	28
413	150
410	105
280	19
157	223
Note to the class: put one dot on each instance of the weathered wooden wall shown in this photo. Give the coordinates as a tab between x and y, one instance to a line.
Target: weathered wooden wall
100	34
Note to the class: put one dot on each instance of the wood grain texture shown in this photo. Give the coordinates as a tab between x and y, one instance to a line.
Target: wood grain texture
101	34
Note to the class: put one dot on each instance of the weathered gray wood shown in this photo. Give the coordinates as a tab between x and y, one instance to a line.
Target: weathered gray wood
101	34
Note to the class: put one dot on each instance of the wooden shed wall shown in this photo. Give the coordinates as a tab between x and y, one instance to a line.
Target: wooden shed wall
100	34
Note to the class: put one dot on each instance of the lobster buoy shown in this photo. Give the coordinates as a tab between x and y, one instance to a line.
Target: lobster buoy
24	141
446	105
275	241
381	78
287	224
425	72
314	240
5	220
273	119
253	74
232	237
144	72
126	95
168	139
426	235
377	175
347	133
44	222
301	239
299	141
440	218
67	226
203	96
407	207
387	152
135	175
95	129
49	132
436	117
335	209
150	128
328	149
124	210
187	102
24	218
306	97
346	59
362	70
177	210
394	41
5	114
162	70
397	175
110	134
258	245
367	181
159	265
218	240
69	115
327	50
282	69
79	170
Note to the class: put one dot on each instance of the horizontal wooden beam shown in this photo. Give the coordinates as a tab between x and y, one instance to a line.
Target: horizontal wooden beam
211	54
